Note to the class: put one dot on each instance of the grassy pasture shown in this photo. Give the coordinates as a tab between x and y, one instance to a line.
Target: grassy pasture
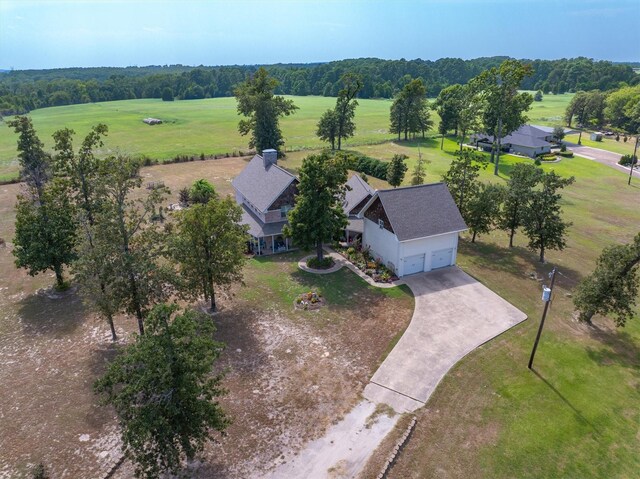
210	126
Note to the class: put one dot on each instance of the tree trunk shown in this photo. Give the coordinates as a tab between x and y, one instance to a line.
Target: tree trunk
580	138
213	301
542	254
442	142
513	233
473	238
319	252
59	279
140	323
114	336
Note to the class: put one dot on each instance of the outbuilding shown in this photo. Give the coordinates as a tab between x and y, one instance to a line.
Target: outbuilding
412	229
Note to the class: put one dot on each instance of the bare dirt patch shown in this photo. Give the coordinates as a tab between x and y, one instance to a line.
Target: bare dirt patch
291	373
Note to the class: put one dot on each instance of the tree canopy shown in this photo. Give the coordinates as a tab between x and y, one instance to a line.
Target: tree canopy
613	286
542	219
396	170
164	392
263	110
409	112
208	245
317	216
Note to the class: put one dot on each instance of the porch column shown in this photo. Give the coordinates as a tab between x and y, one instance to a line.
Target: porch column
258	245
273	244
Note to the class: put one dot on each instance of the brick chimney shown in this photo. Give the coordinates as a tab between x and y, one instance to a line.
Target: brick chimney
269	157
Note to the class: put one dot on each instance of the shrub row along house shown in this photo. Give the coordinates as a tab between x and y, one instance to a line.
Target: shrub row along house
409	229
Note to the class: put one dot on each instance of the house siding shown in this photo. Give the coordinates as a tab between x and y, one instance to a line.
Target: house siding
287	198
376	212
382	243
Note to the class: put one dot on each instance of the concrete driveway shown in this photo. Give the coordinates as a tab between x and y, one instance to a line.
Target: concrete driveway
454	314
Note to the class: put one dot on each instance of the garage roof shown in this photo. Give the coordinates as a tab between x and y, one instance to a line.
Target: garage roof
420	211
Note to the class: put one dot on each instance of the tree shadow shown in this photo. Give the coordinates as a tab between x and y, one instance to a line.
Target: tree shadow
518	261
98	414
51	313
235	327
620	349
579	416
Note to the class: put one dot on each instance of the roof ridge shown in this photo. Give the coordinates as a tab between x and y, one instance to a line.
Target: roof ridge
407	187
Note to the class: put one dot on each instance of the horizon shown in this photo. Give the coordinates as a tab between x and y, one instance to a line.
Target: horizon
41	35
2	69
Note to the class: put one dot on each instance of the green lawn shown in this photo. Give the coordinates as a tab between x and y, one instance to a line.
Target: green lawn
210	126
578	417
610	144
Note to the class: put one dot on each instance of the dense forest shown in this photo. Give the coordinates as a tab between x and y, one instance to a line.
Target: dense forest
25	90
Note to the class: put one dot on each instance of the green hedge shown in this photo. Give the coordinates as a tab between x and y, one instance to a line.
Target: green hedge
367	165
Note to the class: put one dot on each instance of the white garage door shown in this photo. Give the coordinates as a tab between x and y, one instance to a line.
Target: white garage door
441	258
414	264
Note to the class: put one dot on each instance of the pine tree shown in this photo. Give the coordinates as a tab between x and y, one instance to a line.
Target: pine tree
396	170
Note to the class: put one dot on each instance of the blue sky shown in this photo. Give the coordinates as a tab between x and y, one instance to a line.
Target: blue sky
54	33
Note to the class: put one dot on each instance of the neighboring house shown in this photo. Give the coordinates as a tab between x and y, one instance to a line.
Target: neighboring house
356	196
528	140
266	193
412	229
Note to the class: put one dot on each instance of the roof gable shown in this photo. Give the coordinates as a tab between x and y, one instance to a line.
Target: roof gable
420	211
359	190
262	185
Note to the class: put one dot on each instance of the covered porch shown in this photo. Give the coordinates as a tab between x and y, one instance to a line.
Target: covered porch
271	244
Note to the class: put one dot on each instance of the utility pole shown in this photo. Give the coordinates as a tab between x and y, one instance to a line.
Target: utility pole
546	297
634	159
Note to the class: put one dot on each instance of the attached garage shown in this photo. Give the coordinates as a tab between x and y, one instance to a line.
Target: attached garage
414	264
441	258
412	229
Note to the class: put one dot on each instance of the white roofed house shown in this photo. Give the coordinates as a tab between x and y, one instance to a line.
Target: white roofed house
413	228
266	193
357	195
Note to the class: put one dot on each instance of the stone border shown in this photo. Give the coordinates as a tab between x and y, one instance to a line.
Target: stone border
364	276
302	264
396	450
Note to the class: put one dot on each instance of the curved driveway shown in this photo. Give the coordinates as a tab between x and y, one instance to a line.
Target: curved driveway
454	314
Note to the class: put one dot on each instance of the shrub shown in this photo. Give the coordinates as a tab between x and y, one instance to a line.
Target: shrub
547	157
625	160
563	148
538	162
325	263
566	154
39	472
201	156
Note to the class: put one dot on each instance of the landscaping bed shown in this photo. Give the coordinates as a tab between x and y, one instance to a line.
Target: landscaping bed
365	262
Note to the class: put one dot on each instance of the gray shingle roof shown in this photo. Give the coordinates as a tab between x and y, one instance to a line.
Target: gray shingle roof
421	211
527	135
358	192
257	228
261	186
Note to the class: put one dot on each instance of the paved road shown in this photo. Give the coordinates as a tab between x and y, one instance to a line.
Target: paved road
601	156
454	314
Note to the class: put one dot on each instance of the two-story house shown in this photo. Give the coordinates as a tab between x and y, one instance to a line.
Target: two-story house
266	193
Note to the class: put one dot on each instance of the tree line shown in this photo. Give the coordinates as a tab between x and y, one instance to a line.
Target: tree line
23	91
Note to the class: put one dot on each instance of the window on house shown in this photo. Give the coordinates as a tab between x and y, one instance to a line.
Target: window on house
381	224
284	210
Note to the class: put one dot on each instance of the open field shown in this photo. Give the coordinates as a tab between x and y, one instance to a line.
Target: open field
210	126
490	417
291	373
